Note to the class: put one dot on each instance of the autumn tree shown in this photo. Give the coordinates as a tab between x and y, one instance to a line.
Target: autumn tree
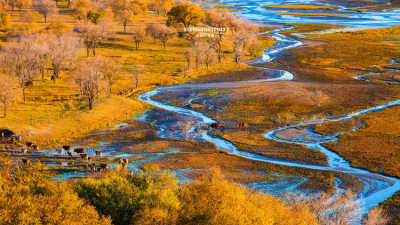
137	71
46	8
62	51
111	71
222	21
19	4
18	59
81	8
4	17
8	93
186	14
139	35
41	50
126	10
90	77
92	34
161	32
162	6
27	196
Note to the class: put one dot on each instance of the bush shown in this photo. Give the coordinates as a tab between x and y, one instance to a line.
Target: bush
28	197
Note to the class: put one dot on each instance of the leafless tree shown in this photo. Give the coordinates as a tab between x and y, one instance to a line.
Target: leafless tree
375	217
111	70
19	59
161	32
339	209
90	77
46	8
125	10
210	56
138	71
162	6
8	93
139	35
92	34
63	50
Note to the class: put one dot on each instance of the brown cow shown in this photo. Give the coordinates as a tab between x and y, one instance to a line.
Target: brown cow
84	156
26	162
99	153
79	150
102	167
243	125
216	125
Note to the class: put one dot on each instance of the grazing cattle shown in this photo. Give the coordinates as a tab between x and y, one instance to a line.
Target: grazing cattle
243	125
92	167
28	83
84	156
79	150
99	153
26	162
216	125
102	167
66	147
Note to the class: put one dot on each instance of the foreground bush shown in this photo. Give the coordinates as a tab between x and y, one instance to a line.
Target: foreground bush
28	197
156	198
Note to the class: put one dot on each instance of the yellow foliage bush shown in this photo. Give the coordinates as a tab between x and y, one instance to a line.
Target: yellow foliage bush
28	197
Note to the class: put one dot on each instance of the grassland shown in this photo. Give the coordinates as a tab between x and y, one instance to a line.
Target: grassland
55	114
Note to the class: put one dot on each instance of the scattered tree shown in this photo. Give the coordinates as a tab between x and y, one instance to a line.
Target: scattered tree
163	6
139	35
8	93
90	77
63	50
126	10
46	8
161	32
92	34
186	14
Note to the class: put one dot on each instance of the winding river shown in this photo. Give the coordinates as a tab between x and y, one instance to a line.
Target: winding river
193	125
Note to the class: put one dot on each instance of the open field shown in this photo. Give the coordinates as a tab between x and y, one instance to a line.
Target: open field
55	114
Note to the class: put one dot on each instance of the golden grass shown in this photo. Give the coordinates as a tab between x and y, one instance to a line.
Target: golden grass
55	114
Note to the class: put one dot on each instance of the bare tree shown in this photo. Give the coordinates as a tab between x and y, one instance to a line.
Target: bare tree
8	93
125	10
90	77
19	59
375	217
160	32
46	8
138	71
339	209
210	56
221	20
63	50
139	35
41	50
111	70
162	6
92	34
